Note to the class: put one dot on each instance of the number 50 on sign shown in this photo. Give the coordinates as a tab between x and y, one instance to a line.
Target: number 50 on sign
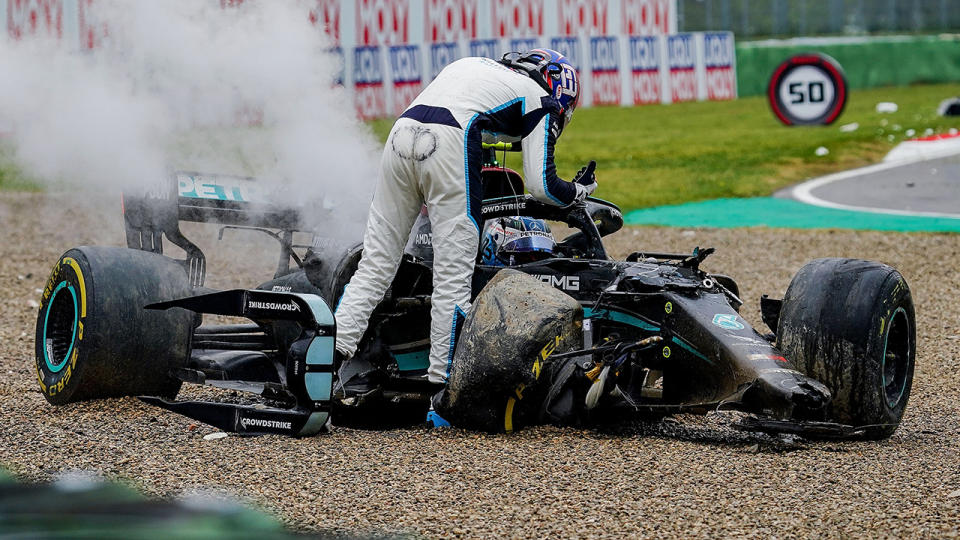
808	89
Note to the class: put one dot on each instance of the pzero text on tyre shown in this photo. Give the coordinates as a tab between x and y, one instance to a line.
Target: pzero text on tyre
850	324
95	340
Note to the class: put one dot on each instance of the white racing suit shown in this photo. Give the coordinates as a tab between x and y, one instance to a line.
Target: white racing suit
433	156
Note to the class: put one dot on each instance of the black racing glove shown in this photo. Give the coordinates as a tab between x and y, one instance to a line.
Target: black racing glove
585	181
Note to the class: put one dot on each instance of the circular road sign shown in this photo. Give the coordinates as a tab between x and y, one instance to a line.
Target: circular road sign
808	89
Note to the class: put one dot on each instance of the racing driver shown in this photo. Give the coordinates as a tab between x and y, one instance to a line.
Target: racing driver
433	156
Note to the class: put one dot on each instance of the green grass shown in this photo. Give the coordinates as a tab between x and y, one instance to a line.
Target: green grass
670	154
11	177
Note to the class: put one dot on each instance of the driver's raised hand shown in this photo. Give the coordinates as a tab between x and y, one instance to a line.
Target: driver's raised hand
585	181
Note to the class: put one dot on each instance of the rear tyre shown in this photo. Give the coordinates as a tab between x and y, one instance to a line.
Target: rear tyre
850	324
93	337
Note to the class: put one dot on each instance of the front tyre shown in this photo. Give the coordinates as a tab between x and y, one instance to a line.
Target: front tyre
93	337
850	324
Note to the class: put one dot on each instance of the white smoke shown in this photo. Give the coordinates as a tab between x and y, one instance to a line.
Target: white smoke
74	119
165	90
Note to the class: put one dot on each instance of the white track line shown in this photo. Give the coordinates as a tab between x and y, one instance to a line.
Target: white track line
802	192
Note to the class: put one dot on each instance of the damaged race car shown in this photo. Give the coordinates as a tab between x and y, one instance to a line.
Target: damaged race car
559	332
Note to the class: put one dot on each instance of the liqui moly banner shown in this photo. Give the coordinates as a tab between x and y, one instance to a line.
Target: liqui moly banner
382	22
517	18
523	44
491	48
44	18
451	20
325	14
570	47
648	17
646	61
604	71
682	66
394	22
719	65
442	54
367	77
406	75
589	17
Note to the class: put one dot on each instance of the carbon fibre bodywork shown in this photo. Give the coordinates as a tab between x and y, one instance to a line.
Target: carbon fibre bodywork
706	357
709	356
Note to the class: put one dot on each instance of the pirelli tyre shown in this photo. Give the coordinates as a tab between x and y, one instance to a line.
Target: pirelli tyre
850	324
514	327
95	340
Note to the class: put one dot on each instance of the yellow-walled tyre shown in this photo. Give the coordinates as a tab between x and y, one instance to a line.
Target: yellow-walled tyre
95	340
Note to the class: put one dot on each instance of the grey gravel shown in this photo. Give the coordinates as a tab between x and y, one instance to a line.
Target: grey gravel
688	476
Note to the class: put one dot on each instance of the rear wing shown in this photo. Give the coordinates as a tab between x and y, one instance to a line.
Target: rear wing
237	201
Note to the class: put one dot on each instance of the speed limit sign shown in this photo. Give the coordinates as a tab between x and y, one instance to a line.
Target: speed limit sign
808	89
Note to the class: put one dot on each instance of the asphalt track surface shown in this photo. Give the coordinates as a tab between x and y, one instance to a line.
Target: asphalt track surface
929	188
906	196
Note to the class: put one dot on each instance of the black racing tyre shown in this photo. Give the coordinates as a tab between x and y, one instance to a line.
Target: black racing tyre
95	340
502	376
850	324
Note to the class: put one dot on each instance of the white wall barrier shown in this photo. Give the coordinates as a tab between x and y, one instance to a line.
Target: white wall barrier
355	23
626	51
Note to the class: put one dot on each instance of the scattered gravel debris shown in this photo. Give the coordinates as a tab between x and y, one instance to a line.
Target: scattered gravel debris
688	476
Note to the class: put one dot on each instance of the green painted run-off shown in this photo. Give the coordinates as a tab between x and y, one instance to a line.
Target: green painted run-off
782	213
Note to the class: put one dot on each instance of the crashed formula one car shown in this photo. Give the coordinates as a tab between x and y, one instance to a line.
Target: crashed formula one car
570	338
